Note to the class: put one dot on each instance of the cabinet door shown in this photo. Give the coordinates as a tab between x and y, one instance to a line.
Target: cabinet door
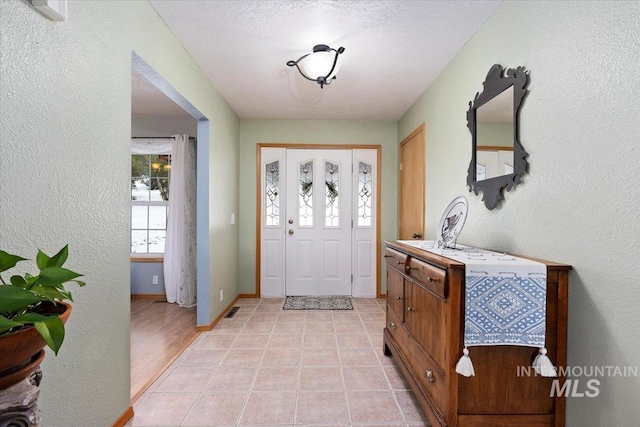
425	317
395	292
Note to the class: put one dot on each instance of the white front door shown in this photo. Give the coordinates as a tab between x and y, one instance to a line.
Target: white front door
318	222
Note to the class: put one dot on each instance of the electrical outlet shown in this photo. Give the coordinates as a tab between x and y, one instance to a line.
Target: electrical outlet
221	294
155	280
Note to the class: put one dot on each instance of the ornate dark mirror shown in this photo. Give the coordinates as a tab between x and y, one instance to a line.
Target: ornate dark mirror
498	160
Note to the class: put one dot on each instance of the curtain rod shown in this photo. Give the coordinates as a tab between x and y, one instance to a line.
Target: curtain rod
156	137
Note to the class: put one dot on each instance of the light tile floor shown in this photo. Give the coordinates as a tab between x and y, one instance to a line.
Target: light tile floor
272	367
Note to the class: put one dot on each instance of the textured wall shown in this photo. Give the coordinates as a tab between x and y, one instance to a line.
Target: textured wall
65	123
579	203
253	132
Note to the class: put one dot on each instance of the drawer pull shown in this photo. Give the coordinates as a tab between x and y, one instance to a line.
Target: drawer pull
431	279
398	298
399	262
410	310
392	325
388	256
429	375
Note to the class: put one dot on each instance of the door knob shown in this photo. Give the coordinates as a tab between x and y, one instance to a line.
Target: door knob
290	221
417	235
290	232
429	375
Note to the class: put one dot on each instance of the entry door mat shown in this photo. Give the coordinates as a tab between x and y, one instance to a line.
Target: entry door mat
318	303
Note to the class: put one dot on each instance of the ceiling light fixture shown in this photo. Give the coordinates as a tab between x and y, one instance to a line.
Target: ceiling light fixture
320	66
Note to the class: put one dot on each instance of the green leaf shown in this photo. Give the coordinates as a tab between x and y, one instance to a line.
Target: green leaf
55	276
42	259
80	283
6	324
8	261
50	327
59	259
13	298
18	281
50	293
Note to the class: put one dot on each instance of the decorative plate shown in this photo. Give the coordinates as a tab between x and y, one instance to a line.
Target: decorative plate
451	223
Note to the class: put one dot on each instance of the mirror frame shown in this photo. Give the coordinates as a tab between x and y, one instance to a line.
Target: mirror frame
495	83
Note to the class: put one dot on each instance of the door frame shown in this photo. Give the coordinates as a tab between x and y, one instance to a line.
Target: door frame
261	145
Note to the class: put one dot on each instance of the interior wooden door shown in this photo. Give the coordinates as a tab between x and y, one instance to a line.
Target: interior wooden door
411	187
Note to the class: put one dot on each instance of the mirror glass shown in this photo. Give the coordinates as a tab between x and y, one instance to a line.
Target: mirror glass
498	159
495	136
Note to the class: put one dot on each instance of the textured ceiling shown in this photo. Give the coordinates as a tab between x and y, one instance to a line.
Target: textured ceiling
393	50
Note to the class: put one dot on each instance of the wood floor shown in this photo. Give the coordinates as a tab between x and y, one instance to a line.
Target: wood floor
159	333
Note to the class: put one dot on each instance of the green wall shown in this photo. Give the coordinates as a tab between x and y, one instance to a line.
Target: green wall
65	127
578	205
253	132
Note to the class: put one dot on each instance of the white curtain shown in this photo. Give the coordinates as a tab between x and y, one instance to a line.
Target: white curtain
151	146
180	246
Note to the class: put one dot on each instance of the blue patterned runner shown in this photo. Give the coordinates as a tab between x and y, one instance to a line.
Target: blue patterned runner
505	301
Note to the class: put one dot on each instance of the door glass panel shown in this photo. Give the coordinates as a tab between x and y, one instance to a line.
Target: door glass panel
272	193
332	200
365	193
305	205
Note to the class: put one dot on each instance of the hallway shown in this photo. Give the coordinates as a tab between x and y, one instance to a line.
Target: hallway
268	366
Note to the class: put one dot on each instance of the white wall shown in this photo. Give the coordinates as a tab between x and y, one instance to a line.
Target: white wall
253	132
579	203
65	123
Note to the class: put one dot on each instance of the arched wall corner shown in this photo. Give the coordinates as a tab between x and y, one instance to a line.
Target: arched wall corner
140	66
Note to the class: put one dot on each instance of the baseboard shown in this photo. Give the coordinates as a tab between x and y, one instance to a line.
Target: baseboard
124	418
202	328
149	296
248	296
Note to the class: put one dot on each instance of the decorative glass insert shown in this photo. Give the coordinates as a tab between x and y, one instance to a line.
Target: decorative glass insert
272	193
305	210
332	200
365	194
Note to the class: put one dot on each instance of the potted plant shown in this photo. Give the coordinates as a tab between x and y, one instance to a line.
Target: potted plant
32	313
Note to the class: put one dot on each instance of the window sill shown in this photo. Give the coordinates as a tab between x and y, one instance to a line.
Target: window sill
138	258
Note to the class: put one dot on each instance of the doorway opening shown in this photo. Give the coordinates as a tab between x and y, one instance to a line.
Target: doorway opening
160	331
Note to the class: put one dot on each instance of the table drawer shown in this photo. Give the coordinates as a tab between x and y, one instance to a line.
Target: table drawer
429	276
396	259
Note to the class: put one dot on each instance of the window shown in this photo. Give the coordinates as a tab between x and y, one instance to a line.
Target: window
332	200
150	175
365	194
305	210
272	192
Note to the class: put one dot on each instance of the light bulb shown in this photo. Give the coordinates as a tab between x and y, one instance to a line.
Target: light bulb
318	64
